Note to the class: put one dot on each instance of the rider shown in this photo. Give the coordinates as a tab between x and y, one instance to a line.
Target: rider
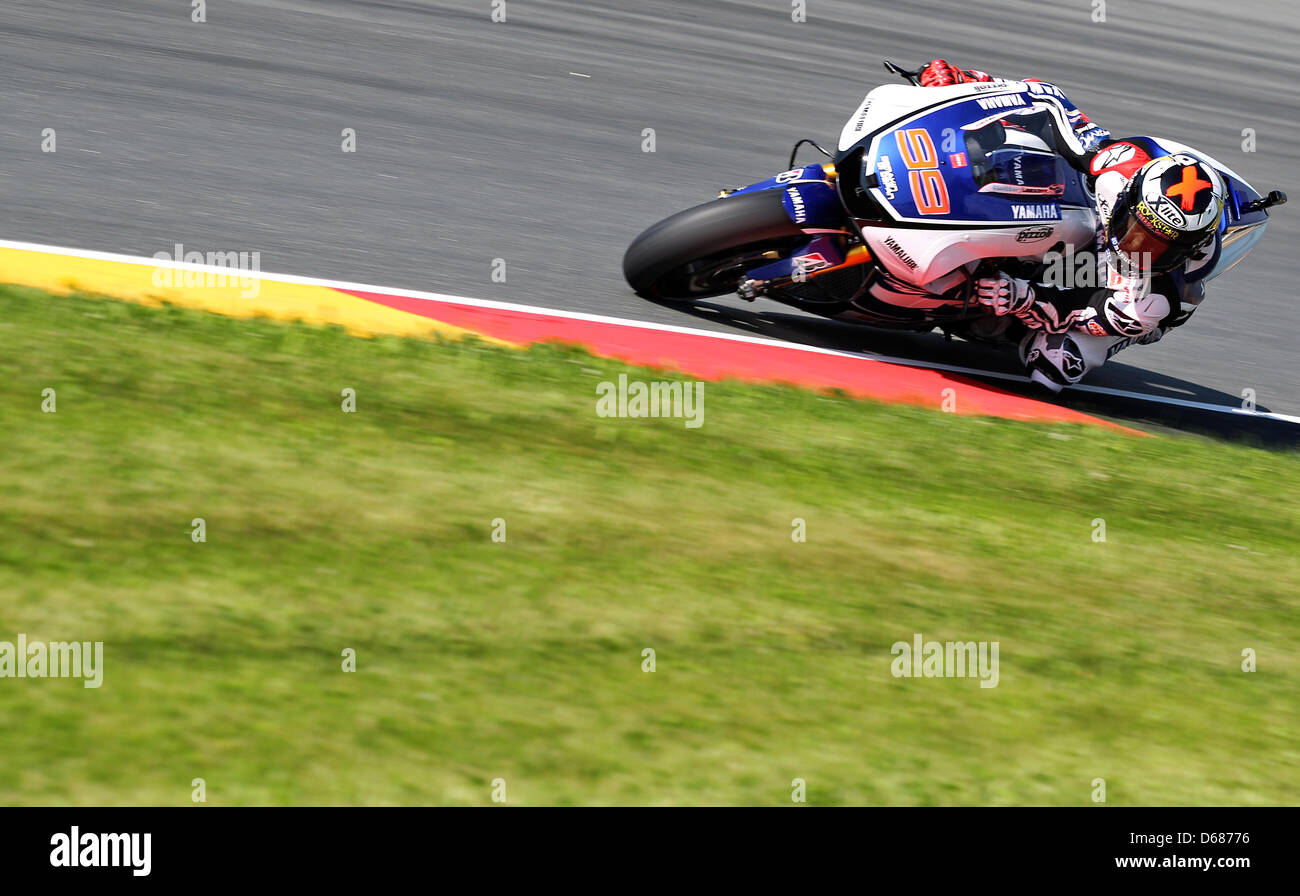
1157	238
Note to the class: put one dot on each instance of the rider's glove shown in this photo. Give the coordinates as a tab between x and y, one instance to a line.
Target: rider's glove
1004	295
940	73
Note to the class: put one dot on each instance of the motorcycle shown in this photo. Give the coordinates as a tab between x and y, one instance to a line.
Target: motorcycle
929	188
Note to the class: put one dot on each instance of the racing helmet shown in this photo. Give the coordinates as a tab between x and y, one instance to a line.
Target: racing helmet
1169	210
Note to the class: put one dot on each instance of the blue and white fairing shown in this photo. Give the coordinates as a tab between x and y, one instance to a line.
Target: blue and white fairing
809	197
964	173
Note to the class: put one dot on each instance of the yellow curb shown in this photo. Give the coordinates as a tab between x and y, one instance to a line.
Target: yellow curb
220	293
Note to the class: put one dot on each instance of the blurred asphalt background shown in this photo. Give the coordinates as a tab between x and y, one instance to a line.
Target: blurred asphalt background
479	140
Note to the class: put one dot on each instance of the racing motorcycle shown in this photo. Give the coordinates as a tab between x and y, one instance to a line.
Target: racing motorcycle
930	187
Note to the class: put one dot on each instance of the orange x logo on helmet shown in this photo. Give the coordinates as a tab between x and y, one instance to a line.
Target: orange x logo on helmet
1188	188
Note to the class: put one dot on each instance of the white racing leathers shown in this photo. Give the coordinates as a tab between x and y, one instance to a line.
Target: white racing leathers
1074	327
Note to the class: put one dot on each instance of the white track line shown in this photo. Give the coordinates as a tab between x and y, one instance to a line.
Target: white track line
626	322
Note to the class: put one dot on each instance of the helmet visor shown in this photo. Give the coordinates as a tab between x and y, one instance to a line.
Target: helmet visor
1143	245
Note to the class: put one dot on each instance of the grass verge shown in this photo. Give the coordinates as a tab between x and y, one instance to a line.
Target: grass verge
523	659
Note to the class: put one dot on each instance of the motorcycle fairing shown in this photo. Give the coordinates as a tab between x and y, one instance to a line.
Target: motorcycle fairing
809	197
1006	193
961	157
961	174
822	253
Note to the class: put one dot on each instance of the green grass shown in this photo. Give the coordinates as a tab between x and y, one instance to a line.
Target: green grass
522	660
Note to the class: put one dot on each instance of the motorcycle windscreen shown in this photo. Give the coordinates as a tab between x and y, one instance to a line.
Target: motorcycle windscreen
1014	161
1237	243
1239	233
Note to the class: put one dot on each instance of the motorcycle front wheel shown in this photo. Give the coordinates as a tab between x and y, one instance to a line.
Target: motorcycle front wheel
705	250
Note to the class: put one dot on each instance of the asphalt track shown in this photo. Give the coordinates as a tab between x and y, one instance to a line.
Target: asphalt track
522	140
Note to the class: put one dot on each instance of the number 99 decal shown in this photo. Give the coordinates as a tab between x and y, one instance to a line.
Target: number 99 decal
928	189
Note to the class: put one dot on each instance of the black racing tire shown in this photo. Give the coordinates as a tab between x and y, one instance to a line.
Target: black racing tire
703	251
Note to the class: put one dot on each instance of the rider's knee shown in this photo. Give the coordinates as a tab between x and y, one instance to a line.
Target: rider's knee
1056	360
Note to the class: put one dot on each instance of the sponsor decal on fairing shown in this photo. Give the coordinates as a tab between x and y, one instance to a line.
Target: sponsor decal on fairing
900	252
885	174
797	205
1036	211
1034	234
813	261
1002	102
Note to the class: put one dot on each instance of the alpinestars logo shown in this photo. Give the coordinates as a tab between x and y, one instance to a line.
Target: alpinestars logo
1057	356
1113	155
1122	321
1071	361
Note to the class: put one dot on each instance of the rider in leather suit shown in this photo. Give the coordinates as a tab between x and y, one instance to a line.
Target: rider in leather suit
1157	239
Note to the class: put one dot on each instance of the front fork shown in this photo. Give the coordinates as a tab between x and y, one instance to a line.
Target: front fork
812	201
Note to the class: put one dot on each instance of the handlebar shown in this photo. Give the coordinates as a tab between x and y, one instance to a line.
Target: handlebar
913	77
